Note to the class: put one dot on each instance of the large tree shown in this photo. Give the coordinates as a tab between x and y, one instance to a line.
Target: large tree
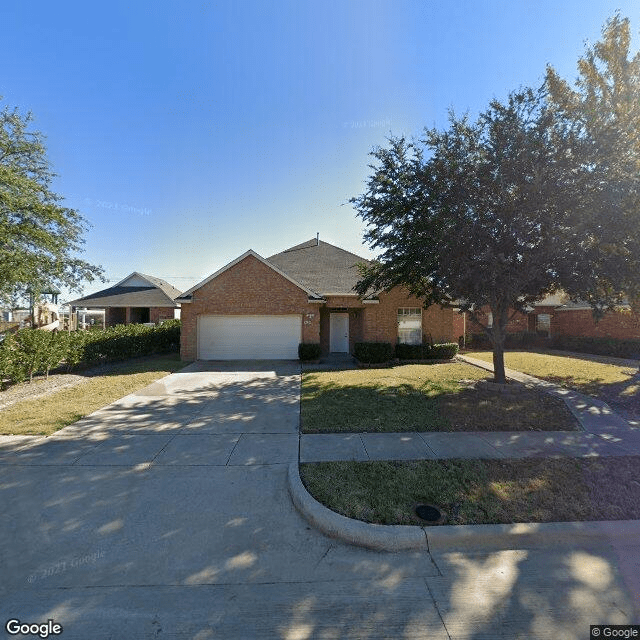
602	109
40	239
479	213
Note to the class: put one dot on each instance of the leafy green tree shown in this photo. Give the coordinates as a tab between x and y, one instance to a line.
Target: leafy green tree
480	213
40	239
602	110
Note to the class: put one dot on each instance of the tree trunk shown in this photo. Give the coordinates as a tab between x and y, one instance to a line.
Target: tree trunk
499	375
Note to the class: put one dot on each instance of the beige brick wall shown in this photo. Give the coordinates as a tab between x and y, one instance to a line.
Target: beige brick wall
248	288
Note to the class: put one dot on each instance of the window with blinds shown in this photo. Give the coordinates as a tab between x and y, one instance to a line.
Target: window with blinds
410	325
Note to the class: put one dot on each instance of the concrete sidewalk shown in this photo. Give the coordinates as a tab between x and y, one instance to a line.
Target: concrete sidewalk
604	433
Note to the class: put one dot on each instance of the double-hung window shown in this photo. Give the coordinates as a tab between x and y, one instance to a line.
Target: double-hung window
543	323
410	325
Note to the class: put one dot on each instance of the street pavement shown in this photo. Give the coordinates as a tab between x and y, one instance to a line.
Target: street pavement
167	515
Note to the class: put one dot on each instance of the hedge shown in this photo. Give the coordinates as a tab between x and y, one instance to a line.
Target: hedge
308	351
598	346
373	352
444	351
413	351
30	351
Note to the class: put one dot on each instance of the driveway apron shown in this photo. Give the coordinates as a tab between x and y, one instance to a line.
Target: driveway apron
166	515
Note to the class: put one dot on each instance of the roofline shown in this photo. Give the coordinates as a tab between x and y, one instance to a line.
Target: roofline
239	259
153	284
335	246
371	296
175	305
343	295
134	273
81	302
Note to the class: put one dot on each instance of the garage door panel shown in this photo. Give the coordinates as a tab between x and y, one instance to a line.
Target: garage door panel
249	337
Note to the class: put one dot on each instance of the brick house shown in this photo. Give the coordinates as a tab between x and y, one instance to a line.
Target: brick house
257	307
136	299
576	319
555	315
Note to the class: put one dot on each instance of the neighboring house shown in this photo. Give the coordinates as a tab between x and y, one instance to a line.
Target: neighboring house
556	315
136	299
576	319
257	307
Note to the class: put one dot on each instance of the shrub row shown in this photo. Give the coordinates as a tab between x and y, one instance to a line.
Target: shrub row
598	346
444	351
373	352
380	352
28	351
308	351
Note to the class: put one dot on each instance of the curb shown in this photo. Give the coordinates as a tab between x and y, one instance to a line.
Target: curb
529	534
373	536
448	537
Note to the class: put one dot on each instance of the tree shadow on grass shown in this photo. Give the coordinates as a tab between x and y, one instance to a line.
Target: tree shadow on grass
328	406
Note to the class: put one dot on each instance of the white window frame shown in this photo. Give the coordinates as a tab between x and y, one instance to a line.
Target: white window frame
411	334
544	325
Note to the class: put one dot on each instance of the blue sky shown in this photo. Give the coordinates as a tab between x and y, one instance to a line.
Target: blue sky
187	133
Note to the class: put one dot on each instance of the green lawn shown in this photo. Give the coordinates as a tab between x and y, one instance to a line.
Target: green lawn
587	376
426	397
480	491
49	413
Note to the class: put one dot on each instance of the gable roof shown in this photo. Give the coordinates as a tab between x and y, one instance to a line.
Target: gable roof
187	294
155	293
316	267
323	267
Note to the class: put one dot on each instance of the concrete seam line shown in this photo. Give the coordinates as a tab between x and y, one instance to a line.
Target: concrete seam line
373	536
426	537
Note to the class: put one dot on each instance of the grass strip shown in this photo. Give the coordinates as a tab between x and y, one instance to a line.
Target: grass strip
45	415
480	491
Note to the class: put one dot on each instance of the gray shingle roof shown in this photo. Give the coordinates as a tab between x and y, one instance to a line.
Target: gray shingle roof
168	289
159	294
321	267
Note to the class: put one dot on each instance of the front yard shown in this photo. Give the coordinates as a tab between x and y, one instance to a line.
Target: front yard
46	414
425	397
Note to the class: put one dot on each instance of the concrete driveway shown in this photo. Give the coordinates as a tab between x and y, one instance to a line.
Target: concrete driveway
166	515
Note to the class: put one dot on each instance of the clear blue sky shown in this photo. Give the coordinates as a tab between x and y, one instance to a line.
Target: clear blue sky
188	132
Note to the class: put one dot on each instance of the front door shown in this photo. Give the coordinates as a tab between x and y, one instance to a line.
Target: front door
339	333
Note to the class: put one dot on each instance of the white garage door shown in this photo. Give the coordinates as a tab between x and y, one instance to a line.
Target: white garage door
249	337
